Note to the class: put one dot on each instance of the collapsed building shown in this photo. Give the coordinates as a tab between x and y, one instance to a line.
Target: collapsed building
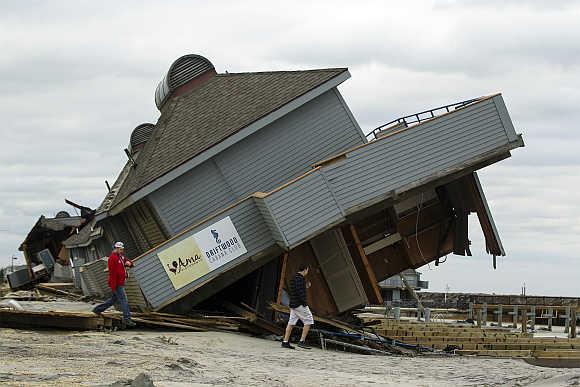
44	248
245	176
400	288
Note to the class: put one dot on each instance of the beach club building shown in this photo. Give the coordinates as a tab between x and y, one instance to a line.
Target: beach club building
245	176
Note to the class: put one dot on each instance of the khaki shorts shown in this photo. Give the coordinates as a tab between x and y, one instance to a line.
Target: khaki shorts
301	313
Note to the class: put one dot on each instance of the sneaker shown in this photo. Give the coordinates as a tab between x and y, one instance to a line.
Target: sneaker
303	345
129	324
286	344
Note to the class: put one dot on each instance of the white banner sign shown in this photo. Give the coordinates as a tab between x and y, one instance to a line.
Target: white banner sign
202	253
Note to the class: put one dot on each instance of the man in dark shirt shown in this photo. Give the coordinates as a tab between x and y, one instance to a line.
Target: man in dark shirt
298	308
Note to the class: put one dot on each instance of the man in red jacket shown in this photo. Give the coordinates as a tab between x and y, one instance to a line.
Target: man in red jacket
118	264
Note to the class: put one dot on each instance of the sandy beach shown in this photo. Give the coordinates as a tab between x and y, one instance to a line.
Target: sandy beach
53	358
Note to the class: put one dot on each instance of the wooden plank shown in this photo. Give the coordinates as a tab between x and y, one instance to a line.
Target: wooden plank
62	320
382	243
254	319
282	279
162	324
495	353
59	285
58	291
371	274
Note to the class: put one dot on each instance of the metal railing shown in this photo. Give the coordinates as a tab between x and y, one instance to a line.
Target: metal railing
403	122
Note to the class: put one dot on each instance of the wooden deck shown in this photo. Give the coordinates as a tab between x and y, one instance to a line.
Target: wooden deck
472	340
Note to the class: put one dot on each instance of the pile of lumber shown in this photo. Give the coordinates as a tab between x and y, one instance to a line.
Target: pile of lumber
195	324
466	339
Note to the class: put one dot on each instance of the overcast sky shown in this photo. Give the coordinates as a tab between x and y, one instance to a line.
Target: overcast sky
76	78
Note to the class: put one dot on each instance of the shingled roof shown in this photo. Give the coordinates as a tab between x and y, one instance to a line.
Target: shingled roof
210	113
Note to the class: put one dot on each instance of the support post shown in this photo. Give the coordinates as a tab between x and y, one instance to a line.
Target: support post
567	323
550	315
370	272
484	314
479	313
322	342
282	278
524	320
573	322
533	318
397	312
470	311
427	315
515	317
499	315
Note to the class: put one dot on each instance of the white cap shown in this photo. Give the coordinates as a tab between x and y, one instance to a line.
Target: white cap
119	244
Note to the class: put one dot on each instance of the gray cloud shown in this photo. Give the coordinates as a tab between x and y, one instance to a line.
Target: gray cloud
76	77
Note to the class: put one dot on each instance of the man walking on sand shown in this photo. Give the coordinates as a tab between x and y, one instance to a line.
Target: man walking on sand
299	309
118	264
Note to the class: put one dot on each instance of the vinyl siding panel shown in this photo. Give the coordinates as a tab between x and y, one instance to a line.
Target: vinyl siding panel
95	278
414	154
252	229
304	207
270	221
192	197
289	146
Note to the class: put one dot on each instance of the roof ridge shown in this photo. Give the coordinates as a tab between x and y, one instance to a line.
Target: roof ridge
330	69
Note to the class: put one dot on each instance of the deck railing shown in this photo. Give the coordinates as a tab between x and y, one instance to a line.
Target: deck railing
403	122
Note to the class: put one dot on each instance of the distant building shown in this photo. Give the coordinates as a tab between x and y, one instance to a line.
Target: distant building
394	289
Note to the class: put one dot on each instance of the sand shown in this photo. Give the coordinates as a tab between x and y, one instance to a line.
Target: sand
53	358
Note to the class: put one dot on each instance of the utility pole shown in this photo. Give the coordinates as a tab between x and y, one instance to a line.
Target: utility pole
14	258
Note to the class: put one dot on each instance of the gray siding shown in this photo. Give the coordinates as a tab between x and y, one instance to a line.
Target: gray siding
313	203
309	205
301	208
95	278
417	153
253	231
192	197
290	145
270	222
263	161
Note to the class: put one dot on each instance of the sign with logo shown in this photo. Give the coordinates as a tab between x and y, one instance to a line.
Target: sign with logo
201	253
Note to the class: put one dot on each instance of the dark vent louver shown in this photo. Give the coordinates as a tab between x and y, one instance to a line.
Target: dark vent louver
140	135
181	71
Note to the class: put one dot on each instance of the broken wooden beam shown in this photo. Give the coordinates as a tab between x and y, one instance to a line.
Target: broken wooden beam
20	319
